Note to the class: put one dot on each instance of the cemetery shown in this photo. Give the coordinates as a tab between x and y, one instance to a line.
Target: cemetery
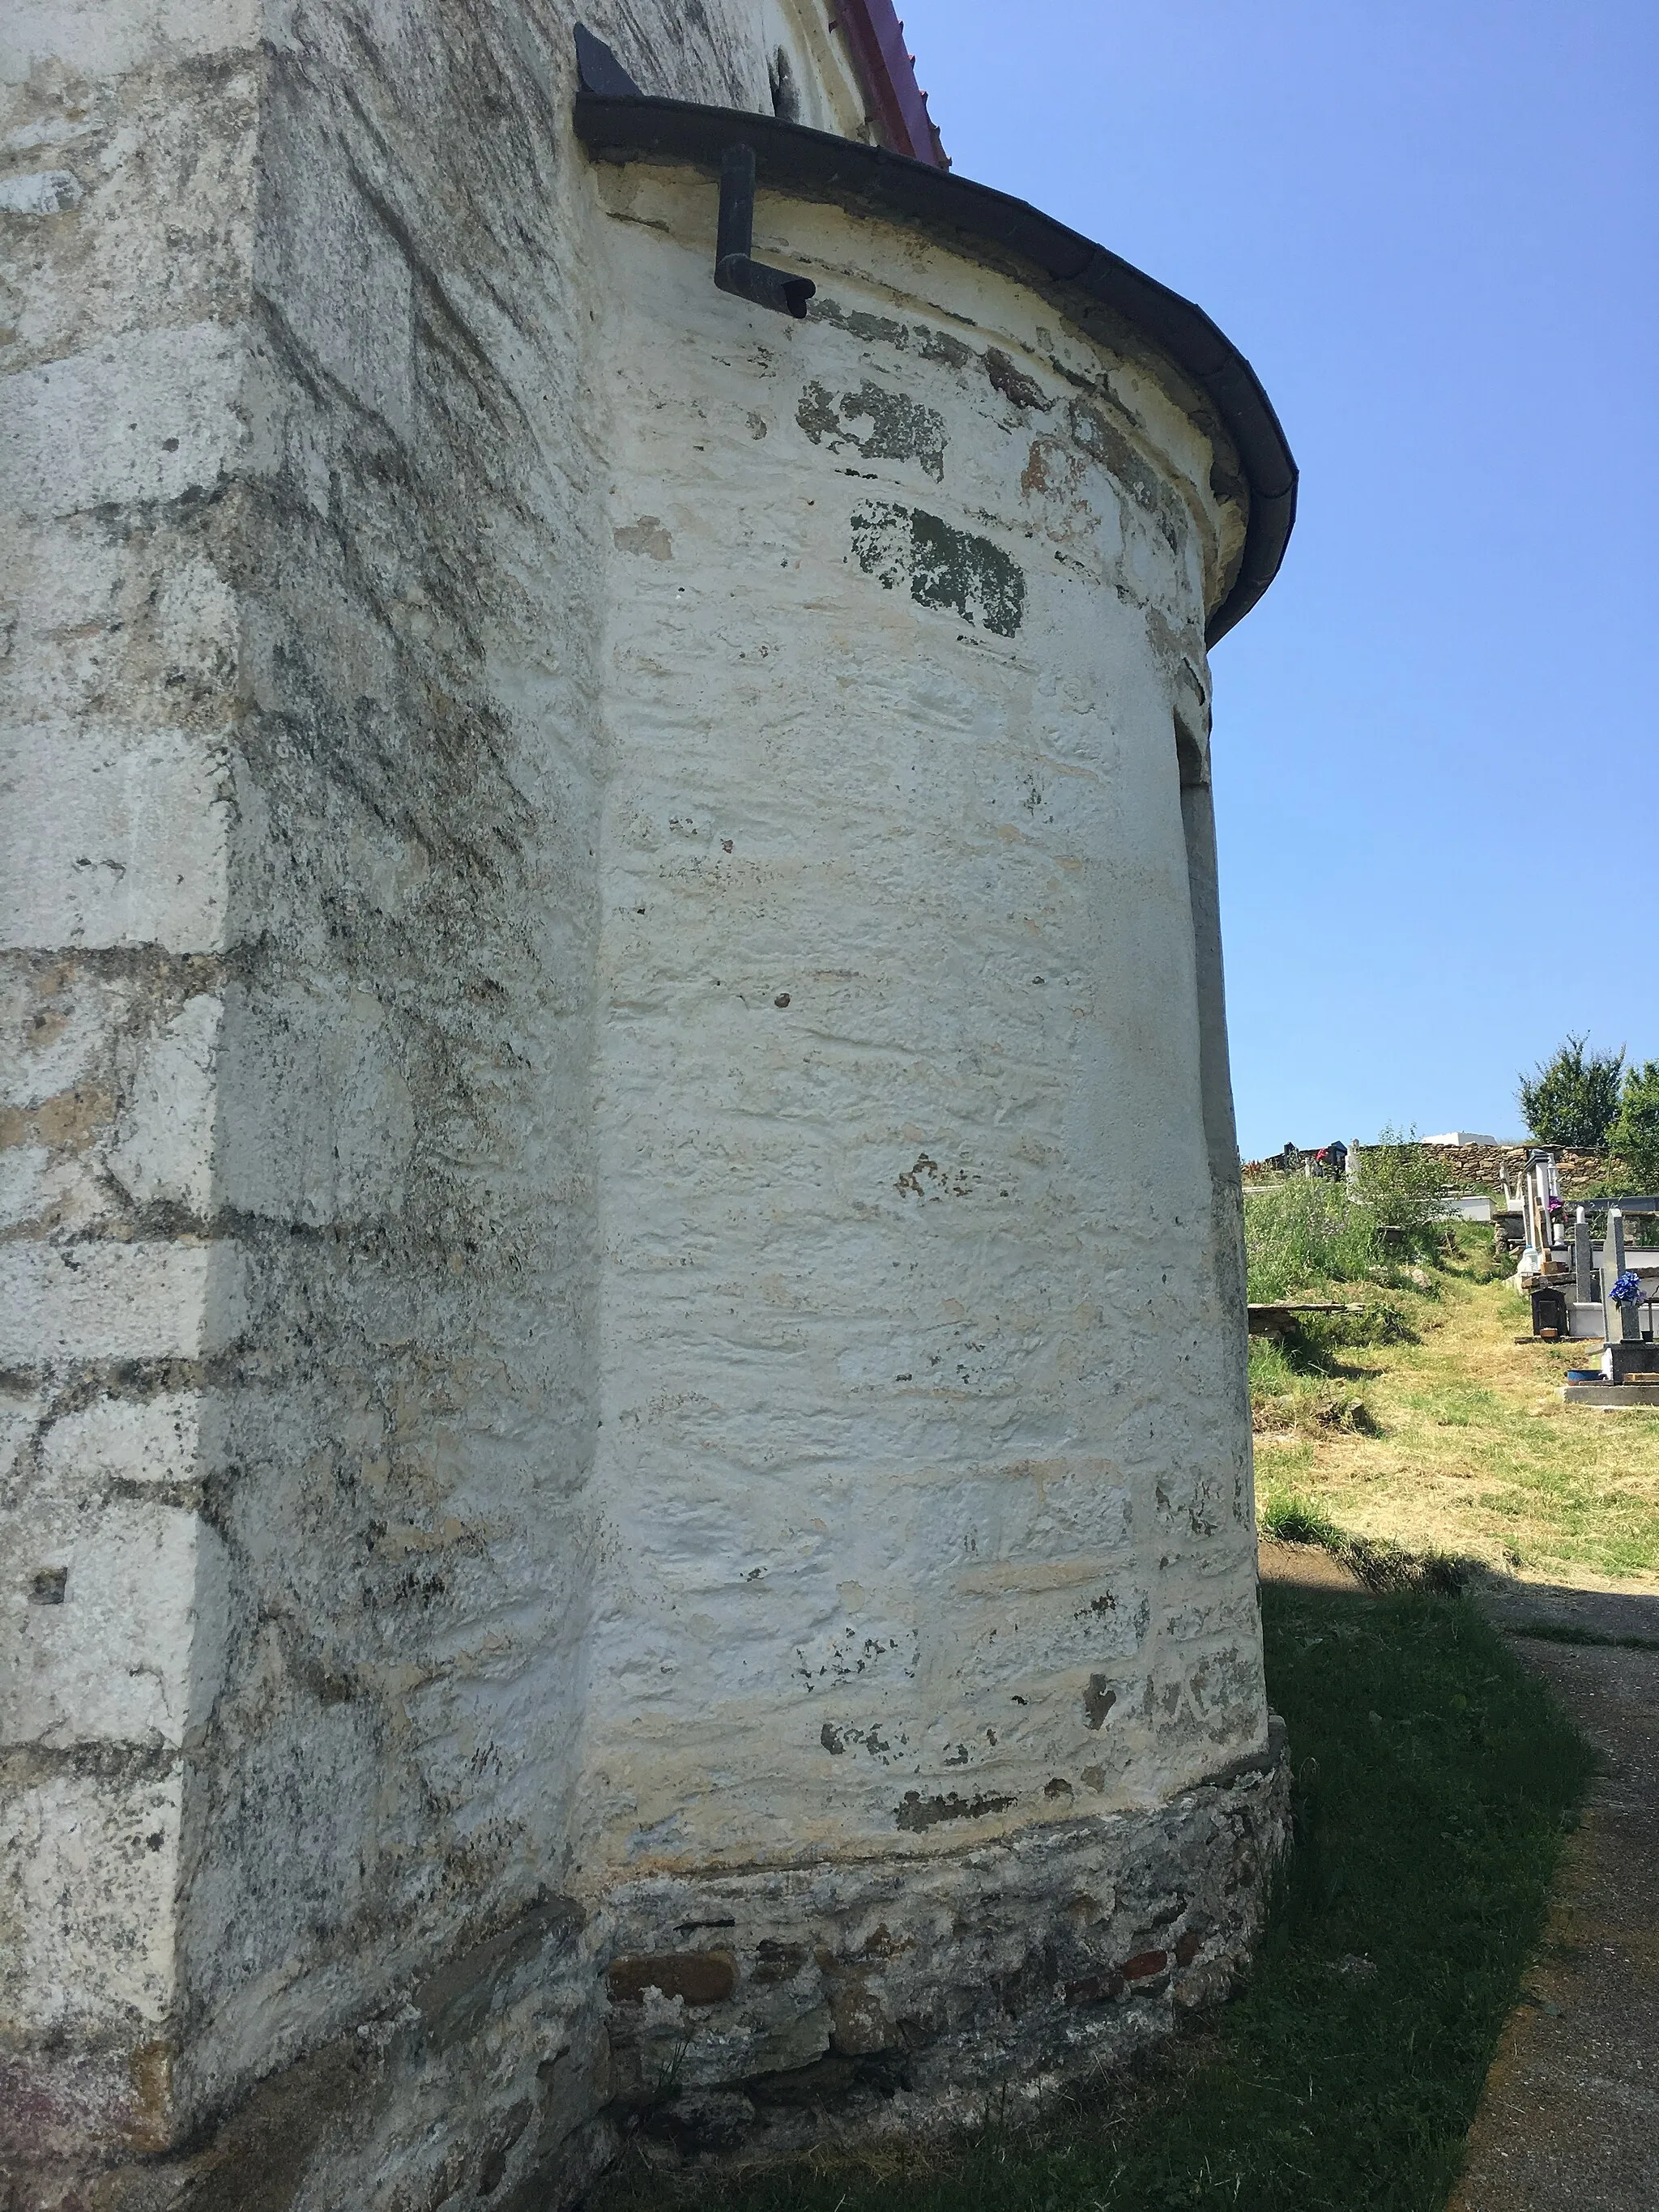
1582	1295
1589	1264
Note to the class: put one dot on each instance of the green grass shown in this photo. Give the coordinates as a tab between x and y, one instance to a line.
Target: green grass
1297	1519
1425	1424
1436	1779
1309	1382
1379	1563
1303	1234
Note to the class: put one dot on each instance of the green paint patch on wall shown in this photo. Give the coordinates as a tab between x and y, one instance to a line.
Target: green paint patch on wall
900	428
951	569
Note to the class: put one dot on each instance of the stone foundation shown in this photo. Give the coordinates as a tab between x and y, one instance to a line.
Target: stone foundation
751	2012
897	1995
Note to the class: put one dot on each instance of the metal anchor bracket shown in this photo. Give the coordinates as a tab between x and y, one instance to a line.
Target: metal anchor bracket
734	270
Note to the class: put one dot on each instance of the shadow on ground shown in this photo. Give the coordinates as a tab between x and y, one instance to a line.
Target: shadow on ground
1569	2120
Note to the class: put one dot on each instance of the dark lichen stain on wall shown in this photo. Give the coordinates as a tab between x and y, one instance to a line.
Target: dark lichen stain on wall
881	329
900	429
1105	443
1097	1701
1014	384
951	569
970	576
916	1811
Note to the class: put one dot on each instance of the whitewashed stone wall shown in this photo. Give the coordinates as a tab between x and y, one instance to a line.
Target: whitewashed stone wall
924	1587
917	1394
574	1318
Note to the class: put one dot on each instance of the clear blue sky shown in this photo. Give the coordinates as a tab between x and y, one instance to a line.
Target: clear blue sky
1433	228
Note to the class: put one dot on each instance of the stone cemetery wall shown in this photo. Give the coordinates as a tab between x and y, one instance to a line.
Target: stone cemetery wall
1485	1168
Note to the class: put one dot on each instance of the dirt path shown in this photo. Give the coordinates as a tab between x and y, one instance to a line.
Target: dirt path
1569	2120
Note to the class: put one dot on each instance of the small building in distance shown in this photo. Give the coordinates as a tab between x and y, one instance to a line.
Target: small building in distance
628	1497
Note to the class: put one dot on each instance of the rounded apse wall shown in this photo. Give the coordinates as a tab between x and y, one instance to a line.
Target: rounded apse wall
923	1508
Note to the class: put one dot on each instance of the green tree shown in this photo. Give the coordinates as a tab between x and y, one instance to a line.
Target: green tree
1634	1135
1572	1100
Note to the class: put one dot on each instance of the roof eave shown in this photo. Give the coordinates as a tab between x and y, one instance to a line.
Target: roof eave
791	157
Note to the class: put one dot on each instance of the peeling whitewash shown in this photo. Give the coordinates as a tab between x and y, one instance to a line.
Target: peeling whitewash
624	1474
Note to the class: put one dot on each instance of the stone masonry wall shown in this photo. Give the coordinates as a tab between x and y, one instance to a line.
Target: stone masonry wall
1484	1168
920	1418
300	802
303	1263
1487	1167
128	436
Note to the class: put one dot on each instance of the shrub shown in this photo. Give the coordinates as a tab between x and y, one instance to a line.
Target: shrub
1302	1233
1403	1185
1634	1135
1572	1099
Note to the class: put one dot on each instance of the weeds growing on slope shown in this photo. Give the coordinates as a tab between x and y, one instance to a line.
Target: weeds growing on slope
1307	1381
1304	1233
1308	1230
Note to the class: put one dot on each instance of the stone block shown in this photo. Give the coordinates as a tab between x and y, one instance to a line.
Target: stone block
155	1441
154	224
49	1191
119	1302
112	837
103	42
135	632
21	1414
60	1020
860	2023
113	1625
656	2040
145	418
164	1137
87	1932
62	1031
31	1186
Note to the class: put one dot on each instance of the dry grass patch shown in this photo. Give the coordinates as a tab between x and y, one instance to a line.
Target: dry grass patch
1463	1445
